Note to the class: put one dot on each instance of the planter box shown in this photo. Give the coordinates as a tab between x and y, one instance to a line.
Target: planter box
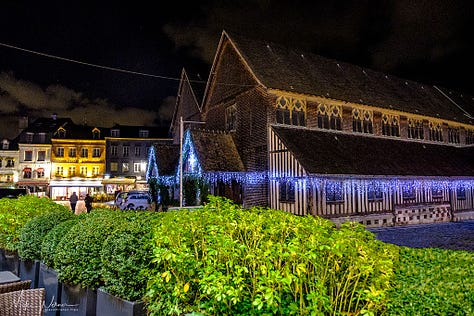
77	301
109	305
29	270
11	261
48	279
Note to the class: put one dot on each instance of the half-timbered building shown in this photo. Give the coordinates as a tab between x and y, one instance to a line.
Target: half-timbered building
323	137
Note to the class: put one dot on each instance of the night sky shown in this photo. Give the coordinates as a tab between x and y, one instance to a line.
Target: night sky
427	41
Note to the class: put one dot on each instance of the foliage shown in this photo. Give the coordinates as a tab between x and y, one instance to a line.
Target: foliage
77	258
226	260
34	231
53	237
126	255
433	282
15	213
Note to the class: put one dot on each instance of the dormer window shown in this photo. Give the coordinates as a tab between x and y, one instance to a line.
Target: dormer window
61	133
436	132
291	111
362	121
330	116
29	137
5	144
143	133
453	135
95	134
415	129
115	132
390	125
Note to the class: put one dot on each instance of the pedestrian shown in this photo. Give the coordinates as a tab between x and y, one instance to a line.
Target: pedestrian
73	201
88	202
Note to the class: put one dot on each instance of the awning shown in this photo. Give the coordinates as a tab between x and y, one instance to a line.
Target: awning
26	169
40	170
118	181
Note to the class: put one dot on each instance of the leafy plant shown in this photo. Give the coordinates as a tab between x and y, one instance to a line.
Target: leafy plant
223	259
53	237
15	213
126	255
34	231
77	258
433	281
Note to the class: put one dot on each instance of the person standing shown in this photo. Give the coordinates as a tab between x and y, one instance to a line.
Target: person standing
73	201
88	202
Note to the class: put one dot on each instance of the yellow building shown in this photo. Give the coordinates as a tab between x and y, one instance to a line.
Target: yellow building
77	161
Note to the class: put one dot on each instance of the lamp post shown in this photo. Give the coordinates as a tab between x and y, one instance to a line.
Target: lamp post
181	128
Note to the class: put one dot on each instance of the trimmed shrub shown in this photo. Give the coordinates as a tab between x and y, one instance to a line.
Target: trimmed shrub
34	231
15	213
77	258
226	260
53	237
126	256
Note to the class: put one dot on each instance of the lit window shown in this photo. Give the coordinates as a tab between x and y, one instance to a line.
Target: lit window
27	173
72	171
125	167
408	191
96	152
137	167
95	134
83	171
461	193
84	152
95	171
10	163
72	152
60	152
59	171
137	151
113	166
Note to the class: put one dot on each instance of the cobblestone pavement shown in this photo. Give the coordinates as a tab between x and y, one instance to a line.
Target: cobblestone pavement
451	235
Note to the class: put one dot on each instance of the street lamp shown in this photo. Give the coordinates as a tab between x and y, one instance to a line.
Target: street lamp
181	128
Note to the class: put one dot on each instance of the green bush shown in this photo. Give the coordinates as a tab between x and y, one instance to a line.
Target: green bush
53	237
34	231
126	255
15	213
226	260
433	282
77	259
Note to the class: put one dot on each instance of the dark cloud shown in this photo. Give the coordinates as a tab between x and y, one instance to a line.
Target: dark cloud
19	97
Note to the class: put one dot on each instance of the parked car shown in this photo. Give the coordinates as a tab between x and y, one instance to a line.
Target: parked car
133	200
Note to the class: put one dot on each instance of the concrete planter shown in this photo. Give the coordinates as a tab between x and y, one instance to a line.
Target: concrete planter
77	301
109	305
48	279
29	270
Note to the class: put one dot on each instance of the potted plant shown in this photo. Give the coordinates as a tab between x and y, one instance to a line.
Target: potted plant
31	239
126	255
77	259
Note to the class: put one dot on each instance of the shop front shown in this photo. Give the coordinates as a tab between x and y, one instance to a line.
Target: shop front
61	190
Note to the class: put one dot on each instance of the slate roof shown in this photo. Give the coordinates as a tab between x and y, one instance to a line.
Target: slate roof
167	158
216	151
301	72
131	131
46	125
75	131
333	153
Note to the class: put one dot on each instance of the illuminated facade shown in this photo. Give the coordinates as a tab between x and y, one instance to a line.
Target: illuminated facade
77	161
317	136
8	164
